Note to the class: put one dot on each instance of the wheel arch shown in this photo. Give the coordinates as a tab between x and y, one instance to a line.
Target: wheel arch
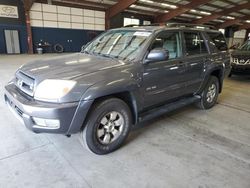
126	96
219	74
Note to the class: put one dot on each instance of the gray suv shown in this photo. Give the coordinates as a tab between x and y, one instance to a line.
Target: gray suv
123	77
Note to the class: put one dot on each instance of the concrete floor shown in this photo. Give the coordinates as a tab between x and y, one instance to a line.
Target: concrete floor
187	148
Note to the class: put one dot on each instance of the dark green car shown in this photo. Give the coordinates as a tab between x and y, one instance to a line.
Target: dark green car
241	59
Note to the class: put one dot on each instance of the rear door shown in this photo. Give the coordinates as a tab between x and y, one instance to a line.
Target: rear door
218	48
164	80
196	56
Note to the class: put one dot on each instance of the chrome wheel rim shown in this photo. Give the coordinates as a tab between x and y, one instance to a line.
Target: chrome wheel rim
211	93
110	127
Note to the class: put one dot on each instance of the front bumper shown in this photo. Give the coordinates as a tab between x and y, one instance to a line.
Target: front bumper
240	69
70	115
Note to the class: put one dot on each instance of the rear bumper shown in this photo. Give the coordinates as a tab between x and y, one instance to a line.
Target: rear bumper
70	115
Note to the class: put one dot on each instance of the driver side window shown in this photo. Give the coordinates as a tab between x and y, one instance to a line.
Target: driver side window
170	41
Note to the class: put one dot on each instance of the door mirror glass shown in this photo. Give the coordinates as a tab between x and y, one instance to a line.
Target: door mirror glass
157	54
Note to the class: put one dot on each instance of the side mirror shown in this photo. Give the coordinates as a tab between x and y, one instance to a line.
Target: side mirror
157	54
82	48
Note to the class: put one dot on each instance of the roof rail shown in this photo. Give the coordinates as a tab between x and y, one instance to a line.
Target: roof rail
135	25
198	26
175	24
131	25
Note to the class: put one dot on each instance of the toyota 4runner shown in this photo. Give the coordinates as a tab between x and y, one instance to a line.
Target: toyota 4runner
122	77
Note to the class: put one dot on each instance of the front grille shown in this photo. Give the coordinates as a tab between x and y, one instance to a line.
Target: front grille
25	83
241	60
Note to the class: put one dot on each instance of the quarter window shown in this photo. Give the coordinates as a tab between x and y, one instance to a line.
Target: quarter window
217	41
194	43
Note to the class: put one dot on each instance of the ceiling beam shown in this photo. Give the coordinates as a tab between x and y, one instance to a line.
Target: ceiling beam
120	6
244	26
180	10
82	2
28	4
232	22
225	12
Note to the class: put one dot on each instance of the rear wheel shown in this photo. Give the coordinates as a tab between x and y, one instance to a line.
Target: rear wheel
210	94
107	126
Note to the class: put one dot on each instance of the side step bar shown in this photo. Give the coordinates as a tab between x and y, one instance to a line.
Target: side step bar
148	115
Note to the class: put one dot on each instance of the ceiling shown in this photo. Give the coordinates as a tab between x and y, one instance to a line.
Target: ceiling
220	13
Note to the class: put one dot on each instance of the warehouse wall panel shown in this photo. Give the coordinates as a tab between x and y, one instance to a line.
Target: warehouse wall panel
14	24
49	16
49	8
77	11
66	16
61	9
36	15
70	39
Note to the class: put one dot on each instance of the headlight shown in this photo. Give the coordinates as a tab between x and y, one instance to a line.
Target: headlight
53	90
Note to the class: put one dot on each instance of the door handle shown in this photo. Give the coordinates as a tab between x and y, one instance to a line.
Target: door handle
193	64
174	68
181	64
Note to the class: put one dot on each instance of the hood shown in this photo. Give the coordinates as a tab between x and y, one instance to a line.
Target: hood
69	66
239	52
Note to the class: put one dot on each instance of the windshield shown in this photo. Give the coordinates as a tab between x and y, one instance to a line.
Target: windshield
245	46
122	44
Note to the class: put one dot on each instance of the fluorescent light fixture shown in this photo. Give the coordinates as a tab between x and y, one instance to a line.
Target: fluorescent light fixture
206	13
198	17
219	20
132	6
248	21
230	17
168	5
200	27
166	11
192	10
147	1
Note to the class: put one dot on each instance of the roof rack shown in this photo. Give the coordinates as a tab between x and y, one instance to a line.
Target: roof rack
173	24
135	25
198	26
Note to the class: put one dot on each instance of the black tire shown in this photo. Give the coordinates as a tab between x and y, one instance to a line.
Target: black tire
58	48
208	101
104	110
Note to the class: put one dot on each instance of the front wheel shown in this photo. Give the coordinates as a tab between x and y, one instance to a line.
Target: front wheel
210	94
107	126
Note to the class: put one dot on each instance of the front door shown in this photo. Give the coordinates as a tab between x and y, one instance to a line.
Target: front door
164	80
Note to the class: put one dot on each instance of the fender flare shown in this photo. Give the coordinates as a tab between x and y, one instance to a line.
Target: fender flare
209	73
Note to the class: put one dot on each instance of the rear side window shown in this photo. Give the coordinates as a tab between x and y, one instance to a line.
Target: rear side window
194	43
217	41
